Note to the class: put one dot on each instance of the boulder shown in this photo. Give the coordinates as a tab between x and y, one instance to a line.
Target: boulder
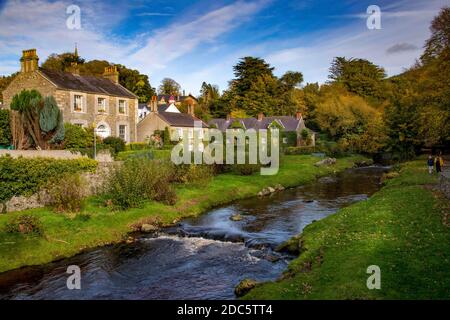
326	162
148	228
279	187
236	217
271	190
244	287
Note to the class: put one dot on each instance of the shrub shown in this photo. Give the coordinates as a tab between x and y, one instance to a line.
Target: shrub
24	224
25	176
246	169
5	129
137	154
299	150
138	180
117	144
77	137
191	173
134	146
67	193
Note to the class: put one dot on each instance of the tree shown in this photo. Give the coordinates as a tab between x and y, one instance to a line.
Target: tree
4	82
5	128
359	76
37	122
170	87
440	36
61	62
246	71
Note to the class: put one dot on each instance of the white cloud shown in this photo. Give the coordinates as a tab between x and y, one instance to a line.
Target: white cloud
182	38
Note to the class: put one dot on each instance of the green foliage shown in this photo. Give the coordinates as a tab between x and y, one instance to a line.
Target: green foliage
24	224
5	128
67	193
25	176
4	83
77	137
138	180
191	173
304	134
170	87
26	101
299	150
61	62
166	137
137	146
246	169
115	143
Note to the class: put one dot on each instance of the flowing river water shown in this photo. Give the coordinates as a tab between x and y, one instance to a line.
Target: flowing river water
201	258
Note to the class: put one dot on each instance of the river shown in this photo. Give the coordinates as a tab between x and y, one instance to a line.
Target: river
201	258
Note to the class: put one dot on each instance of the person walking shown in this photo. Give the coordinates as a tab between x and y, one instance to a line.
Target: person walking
430	164
439	163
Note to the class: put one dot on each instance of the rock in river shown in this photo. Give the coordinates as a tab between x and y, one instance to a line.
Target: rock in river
244	287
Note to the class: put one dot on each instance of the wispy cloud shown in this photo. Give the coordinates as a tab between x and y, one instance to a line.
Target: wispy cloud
154	14
182	37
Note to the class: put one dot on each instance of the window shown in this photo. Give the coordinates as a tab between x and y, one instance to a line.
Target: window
101	105
103	130
123	132
122	107
77	103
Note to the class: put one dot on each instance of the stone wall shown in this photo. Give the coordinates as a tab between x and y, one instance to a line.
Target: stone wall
56	154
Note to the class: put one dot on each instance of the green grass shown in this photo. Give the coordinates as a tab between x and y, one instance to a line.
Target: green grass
401	229
66	235
155	154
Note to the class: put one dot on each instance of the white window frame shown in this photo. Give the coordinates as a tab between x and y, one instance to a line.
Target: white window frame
83	102
125	106
106	104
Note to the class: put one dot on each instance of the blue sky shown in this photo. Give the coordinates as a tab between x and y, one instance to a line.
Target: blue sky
196	41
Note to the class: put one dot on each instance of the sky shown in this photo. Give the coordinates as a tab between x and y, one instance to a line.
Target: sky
195	41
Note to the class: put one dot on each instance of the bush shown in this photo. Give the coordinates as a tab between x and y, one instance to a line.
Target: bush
5	129
246	169
299	150
25	176
137	154
134	146
138	180
24	224
77	137
67	193
191	173
117	144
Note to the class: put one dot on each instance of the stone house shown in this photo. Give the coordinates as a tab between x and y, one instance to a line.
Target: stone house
162	116
84	100
287	124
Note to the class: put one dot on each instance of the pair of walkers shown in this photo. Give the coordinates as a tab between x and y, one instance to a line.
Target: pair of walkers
436	162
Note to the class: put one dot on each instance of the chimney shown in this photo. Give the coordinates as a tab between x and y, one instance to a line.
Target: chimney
29	61
228	117
298	116
112	74
153	104
260	116
190	109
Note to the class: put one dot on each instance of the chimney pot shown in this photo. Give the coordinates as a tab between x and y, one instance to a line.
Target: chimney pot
111	74
298	115
29	61
260	116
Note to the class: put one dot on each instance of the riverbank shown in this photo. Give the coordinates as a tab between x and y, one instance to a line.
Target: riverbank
66	235
403	229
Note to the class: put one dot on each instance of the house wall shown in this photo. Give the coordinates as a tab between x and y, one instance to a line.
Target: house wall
147	126
64	99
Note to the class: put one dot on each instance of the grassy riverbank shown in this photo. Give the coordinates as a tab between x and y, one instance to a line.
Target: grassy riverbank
67	235
403	229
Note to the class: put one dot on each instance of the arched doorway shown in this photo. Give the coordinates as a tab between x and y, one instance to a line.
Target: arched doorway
103	130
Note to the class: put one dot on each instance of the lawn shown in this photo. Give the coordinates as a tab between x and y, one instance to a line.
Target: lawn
403	229
66	235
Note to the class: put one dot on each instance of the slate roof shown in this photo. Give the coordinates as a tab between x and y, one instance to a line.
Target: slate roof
161	107
176	119
289	123
177	98
91	84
